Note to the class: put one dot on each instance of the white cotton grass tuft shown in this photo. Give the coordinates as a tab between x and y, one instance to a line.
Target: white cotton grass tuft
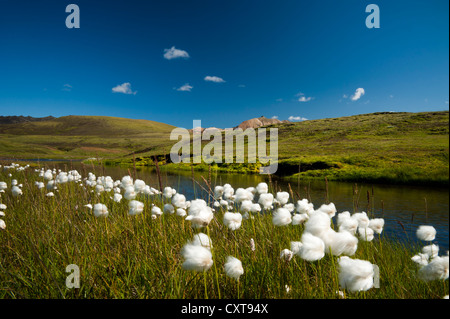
431	250
180	212
196	206
156	211
355	274
232	220
282	198
362	218
130	193
341	217
233	268
313	248
365	234
286	255
16	191
421	259
169	209
281	217
376	224
197	258
436	269
2	224
135	207
139	186
252	244
349	225
426	233
256	208
299	219
179	201
51	185
99	189
246	206
243	195
2	214
168	192
290	207
296	246
218	192
50	194
199	214
304	207
262	188
117	197
329	209
126	181
228	191
318	224
3	206
203	240
100	210
341	243
266	200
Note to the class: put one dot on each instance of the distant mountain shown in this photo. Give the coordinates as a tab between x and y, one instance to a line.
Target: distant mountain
100	126
81	137
252	123
258	122
23	119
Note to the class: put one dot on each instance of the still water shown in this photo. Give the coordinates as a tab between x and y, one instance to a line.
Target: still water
404	208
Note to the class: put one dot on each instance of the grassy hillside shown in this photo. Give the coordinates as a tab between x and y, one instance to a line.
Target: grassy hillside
407	148
378	147
384	147
78	137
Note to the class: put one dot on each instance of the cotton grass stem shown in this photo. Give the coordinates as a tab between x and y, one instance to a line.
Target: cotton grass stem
215	264
204	280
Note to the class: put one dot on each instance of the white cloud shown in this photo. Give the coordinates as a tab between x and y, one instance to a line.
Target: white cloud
304	99
214	79
358	94
124	88
275	117
67	87
174	53
185	88
297	118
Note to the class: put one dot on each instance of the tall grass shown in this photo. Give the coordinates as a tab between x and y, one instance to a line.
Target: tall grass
124	256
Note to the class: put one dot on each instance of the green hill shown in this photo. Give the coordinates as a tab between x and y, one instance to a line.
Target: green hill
408	148
381	147
78	137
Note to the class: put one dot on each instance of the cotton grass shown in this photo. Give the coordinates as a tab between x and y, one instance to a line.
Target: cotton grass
233	268
355	275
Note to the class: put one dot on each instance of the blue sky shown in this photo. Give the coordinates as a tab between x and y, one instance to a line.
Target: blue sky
284	58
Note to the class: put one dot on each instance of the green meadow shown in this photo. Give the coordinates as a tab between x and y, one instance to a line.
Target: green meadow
125	256
399	148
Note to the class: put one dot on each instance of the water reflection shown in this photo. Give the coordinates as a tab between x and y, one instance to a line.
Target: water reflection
404	208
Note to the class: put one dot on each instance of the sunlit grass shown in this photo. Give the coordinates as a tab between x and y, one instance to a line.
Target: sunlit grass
123	256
